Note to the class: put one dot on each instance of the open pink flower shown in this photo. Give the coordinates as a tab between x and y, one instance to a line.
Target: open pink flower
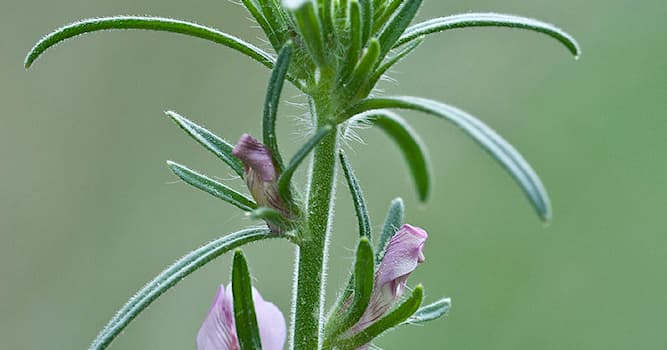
219	331
261	175
404	252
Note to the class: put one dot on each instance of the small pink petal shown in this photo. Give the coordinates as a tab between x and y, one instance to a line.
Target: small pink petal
218	332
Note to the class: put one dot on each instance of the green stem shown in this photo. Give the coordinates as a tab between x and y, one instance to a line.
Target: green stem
314	234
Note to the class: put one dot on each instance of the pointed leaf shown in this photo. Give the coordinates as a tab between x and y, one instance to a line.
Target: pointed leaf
268	28
366	7
392	31
309	27
411	146
357	197
212	187
430	312
171	276
210	141
493	143
147	23
392	223
364	69
364	277
273	100
389	8
355	44
391	320
388	63
270	215
285	179
489	20
245	319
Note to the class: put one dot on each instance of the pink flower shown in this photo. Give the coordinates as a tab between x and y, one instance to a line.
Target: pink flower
404	252
261	176
219	331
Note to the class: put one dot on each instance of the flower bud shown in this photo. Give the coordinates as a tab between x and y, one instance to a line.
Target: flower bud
261	176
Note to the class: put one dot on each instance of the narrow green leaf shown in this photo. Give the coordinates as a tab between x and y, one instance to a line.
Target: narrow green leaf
489	20
411	146
285	179
388	11
269	214
247	330
391	320
392	223
277	18
255	10
326	17
147	23
388	63
171	276
273	100
366	20
430	312
212	187
493	143
392	31
364	69
364	277
354	49
357	197
221	148
309	26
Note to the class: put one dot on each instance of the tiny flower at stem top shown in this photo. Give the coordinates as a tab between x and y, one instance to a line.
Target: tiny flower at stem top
218	332
261	175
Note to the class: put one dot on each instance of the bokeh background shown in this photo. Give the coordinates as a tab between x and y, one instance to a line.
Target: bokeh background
89	211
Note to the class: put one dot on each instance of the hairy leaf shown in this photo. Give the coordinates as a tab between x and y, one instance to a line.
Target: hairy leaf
212	187
171	276
493	143
489	20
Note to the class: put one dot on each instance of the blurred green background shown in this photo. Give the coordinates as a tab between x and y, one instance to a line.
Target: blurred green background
89	211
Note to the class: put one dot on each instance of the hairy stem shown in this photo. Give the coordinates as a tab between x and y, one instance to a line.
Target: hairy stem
314	233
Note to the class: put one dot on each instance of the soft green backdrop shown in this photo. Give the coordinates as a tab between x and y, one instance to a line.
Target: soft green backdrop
89	211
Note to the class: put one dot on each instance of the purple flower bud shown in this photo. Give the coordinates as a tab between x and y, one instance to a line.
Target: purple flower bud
261	176
219	331
404	252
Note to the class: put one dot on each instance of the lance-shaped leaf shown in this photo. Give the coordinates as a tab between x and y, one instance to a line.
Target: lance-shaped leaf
212	187
309	26
364	275
366	20
364	69
430	312
221	148
392	223
285	179
270	215
357	197
411	146
392	31
493	143
273	100
147	23
391	320
388	63
355	43
171	276
245	319
489	20
326	17
268	28
388	9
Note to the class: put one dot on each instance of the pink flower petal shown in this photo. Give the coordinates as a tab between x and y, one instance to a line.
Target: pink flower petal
218	332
